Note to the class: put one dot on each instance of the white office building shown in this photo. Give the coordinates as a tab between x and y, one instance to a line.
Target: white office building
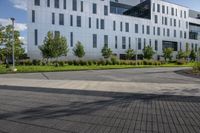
119	24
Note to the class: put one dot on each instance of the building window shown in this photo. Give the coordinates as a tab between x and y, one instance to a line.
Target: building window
61	19
64	4
127	27
154	7
148	30
174	22
90	22
57	33
142	29
181	34
33	16
156	45
172	11
116	42
170	21
71	39
168	32
74	5
144	42
129	42
53	18
139	44
102	24
158	31
121	26
165	20
123	42
114	25
156	19
105	40
78	21
94	8
174	33
106	10
48	3
163	31
94	40
163	9
185	35
81	6
71	20
154	30
184	14
36	36
136	28
158	7
97	23
56	3
37	2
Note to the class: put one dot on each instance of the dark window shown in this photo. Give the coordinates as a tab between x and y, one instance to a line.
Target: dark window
74	5
169	44
158	31
158	7
139	43
129	42
61	19
172	11
71	20
156	19
121	26
148	30
71	39
127	27
94	40
33	16
37	2
56	3
163	9
48	3
136	28
94	8
81	6
142	29
156	45
106	40
53	18
36	36
64	4
78	21
123	42
114	25
102	24
116	42
90	25
105	10
97	23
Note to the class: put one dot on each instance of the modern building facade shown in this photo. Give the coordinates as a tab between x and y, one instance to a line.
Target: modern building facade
119	24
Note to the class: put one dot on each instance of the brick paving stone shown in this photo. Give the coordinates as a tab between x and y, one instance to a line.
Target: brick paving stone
96	112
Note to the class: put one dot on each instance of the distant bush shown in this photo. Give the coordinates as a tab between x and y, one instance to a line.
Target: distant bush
196	67
181	62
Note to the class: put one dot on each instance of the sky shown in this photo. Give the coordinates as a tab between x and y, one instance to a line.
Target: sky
18	8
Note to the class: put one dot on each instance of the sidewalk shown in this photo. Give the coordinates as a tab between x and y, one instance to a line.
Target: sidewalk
130	87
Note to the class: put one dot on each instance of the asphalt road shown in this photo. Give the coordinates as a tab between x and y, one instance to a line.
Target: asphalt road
43	110
147	75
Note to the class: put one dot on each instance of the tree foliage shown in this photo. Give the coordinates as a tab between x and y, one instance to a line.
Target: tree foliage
167	53
130	53
193	55
79	50
106	52
148	52
54	46
7	42
181	55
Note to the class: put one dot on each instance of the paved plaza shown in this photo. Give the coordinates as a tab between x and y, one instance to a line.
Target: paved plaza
63	104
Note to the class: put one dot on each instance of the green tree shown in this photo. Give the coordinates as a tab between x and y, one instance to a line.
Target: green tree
148	52
6	39
198	54
167	53
187	50
193	55
181	55
79	50
106	52
130	53
54	46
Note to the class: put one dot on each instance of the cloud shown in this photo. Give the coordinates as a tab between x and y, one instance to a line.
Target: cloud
18	26
23	39
20	4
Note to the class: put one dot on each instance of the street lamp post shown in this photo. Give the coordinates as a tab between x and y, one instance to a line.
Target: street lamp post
13	44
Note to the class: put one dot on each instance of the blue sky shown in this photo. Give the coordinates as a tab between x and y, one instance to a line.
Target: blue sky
17	9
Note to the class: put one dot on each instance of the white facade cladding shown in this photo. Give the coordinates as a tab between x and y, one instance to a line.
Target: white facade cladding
96	23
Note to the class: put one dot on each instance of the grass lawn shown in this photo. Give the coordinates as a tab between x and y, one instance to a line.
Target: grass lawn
32	69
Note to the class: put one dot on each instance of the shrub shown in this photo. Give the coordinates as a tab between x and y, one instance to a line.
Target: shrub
196	67
108	62
90	63
181	62
102	62
70	63
114	60
36	62
61	63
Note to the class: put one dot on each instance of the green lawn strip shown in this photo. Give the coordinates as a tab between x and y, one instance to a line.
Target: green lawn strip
32	69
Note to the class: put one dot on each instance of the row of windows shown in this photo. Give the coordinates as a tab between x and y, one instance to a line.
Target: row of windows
171	21
74	5
165	10
125	41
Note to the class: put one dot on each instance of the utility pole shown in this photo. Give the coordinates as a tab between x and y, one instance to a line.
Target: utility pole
13	44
